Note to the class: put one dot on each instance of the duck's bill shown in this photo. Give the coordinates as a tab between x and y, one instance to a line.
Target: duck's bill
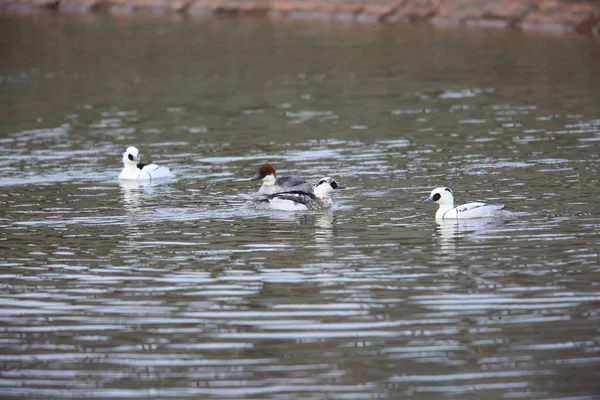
428	200
334	185
256	178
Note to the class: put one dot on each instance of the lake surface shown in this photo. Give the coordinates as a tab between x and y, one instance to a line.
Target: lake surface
179	289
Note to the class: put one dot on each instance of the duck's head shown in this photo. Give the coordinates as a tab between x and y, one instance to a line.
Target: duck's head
131	156
325	186
266	173
442	196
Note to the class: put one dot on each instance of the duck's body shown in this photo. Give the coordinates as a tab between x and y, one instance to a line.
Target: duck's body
299	200
444	197
470	210
133	170
272	184
285	184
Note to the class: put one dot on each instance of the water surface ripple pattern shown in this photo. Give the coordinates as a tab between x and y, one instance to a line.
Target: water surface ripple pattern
178	289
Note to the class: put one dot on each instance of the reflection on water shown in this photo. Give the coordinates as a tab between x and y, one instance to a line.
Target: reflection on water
453	234
136	194
178	289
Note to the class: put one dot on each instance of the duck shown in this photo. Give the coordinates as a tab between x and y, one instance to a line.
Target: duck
303	200
272	184
133	170
444	197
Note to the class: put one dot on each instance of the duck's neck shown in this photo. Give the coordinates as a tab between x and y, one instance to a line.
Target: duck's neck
269	180
322	191
443	208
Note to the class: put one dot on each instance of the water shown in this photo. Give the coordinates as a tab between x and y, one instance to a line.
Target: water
178	290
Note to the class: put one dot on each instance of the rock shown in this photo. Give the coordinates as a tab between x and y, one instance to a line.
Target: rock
315	9
414	10
300	6
349	7
380	10
500	12
342	9
574	15
216	6
81	5
26	5
126	6
578	16
121	6
44	3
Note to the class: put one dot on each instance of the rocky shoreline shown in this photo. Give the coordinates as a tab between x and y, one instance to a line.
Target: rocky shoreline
581	16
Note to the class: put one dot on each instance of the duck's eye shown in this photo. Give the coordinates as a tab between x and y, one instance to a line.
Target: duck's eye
436	197
130	157
334	185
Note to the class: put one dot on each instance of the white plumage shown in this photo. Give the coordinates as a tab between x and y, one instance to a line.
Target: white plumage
444	197
135	171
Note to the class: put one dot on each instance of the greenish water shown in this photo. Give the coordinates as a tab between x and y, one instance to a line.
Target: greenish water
179	290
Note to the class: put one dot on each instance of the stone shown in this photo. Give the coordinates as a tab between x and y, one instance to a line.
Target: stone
126	6
212	6
574	15
26	5
44	3
507	12
414	10
482	9
349	6
81	5
121	6
14	6
301	6
260	6
331	9
578	16
380	9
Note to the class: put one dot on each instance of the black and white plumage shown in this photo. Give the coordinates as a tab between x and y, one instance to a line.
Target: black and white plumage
444	197
302	200
133	170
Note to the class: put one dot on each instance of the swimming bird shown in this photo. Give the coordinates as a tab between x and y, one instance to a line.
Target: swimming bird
272	184
136	171
301	200
444	197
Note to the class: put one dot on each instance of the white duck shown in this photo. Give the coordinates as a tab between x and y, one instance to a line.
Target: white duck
135	171
444	197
